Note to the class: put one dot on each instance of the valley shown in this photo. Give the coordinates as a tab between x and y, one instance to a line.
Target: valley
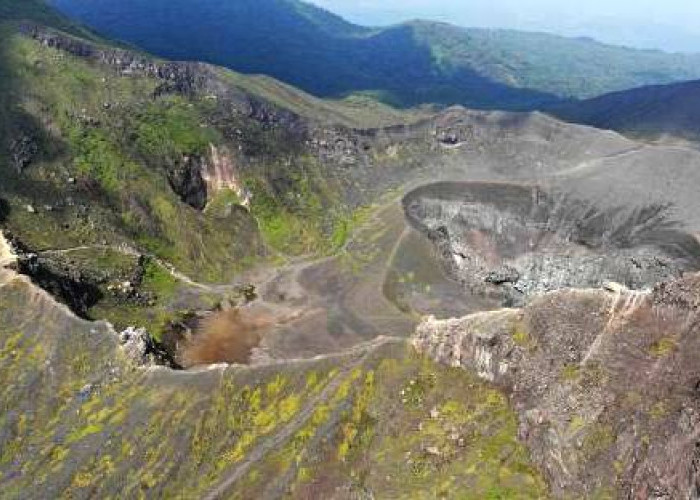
215	285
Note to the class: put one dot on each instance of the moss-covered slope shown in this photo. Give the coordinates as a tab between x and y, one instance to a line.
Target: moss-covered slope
80	419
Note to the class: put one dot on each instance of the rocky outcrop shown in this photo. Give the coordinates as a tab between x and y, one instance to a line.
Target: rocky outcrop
68	286
186	178
605	384
23	151
196	179
139	347
183	78
219	173
186	78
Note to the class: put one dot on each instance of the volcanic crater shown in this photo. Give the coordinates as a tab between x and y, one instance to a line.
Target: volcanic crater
510	241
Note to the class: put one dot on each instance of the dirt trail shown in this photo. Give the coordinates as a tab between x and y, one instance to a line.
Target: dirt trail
317	306
335	303
133	252
601	162
341	297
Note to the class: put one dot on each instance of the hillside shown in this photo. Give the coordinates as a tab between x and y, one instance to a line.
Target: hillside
652	111
116	165
407	64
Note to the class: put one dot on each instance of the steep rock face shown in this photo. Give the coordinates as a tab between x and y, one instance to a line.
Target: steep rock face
186	78
198	178
220	172
605	384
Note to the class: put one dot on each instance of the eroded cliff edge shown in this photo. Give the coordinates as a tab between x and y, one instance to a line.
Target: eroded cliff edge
605	383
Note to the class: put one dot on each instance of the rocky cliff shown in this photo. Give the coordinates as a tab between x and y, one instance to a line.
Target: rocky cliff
604	382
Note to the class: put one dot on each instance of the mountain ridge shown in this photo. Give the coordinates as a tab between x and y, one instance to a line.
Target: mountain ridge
651	111
406	64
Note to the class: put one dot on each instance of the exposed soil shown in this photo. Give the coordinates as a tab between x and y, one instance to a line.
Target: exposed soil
225	337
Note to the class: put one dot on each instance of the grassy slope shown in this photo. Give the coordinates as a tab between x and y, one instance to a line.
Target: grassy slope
118	197
405	64
66	95
82	422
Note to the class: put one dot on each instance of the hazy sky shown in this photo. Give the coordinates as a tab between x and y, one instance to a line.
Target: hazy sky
666	24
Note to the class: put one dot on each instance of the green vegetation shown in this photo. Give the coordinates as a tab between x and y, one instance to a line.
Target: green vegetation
599	438
345	226
289	232
171	128
304	216
659	411
85	421
571	372
451	426
407	64
521	336
159	280
118	157
222	203
97	428
663	347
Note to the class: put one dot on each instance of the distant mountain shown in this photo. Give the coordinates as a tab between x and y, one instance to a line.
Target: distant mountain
406	64
652	111
646	35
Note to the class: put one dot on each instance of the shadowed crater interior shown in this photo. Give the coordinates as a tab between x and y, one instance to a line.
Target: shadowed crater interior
508	241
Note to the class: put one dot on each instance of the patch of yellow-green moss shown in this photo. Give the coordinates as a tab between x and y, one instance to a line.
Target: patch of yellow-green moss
458	440
571	372
521	336
599	438
664	347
